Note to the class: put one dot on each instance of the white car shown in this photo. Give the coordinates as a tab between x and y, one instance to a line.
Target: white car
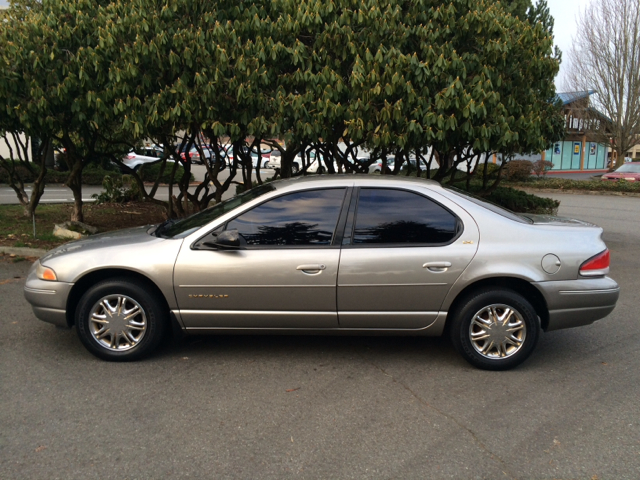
143	155
314	167
264	160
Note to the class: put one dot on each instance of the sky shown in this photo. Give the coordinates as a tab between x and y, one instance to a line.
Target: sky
565	13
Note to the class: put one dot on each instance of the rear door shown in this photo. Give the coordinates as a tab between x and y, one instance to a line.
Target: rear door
402	251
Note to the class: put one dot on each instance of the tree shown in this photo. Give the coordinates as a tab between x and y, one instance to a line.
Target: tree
54	54
17	164
605	57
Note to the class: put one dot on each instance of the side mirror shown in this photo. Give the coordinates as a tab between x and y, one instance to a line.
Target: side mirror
226	240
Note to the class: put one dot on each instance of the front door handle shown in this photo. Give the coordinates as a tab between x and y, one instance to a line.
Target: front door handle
437	266
314	268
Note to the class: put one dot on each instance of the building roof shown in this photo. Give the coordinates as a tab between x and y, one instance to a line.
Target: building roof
570	97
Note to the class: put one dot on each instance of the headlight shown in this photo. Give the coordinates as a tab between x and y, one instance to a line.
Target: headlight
45	273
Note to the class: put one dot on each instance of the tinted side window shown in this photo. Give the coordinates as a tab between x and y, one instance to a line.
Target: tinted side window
396	216
302	218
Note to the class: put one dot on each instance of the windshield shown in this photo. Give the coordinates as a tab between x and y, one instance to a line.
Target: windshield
629	168
185	226
489	205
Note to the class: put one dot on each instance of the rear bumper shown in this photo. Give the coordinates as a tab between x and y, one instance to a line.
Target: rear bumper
573	303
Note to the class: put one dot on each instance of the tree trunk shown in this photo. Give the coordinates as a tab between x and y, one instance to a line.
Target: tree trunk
286	162
37	191
74	182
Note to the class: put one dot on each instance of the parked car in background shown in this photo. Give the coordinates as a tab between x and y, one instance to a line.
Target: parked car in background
316	164
331	254
209	155
629	172
144	155
264	158
376	166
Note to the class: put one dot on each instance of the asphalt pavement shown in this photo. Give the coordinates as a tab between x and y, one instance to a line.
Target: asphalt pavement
252	407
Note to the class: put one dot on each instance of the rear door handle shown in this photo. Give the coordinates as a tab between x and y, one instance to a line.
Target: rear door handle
314	268
437	266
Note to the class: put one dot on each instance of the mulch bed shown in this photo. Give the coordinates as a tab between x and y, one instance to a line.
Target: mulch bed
16	230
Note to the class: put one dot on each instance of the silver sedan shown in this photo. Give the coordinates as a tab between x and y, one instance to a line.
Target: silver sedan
333	255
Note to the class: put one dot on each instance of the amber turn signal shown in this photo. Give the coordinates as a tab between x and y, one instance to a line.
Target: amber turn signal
45	273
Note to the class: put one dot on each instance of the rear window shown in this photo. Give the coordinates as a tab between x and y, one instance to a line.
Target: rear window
489	205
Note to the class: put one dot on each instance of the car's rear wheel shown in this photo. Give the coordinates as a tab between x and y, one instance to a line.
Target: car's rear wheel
495	329
294	168
119	320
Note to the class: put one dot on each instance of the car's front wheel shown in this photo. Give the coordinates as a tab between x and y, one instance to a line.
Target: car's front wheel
495	329
119	320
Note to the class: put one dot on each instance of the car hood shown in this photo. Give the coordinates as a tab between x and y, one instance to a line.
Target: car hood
552	220
132	249
117	238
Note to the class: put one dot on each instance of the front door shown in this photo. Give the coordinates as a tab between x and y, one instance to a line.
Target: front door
284	276
401	254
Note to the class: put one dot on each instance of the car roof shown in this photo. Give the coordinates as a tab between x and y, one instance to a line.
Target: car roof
348	179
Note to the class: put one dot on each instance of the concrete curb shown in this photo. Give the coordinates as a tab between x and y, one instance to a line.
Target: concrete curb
23	251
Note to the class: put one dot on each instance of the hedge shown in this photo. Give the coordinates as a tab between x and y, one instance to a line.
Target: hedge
522	202
94	174
585	185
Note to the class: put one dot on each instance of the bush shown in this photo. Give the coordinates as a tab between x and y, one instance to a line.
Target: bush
584	185
522	202
150	172
518	170
118	189
91	175
492	168
541	167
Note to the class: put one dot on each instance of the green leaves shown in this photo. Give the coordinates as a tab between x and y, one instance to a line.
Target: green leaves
390	73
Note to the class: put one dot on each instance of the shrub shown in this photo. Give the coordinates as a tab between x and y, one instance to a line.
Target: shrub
150	172
541	167
118	189
586	185
492	168
91	175
522	202
518	170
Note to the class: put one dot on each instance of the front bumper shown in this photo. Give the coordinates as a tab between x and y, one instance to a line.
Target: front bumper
48	299
573	303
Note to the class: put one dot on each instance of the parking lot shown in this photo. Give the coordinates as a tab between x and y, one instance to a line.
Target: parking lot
329	407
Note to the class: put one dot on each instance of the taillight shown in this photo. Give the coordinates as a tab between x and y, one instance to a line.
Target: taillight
596	266
130	156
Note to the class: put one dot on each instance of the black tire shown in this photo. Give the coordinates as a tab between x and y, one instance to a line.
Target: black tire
321	170
141	343
294	168
484	303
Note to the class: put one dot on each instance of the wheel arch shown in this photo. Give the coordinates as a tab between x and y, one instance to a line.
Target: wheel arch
87	281
518	285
